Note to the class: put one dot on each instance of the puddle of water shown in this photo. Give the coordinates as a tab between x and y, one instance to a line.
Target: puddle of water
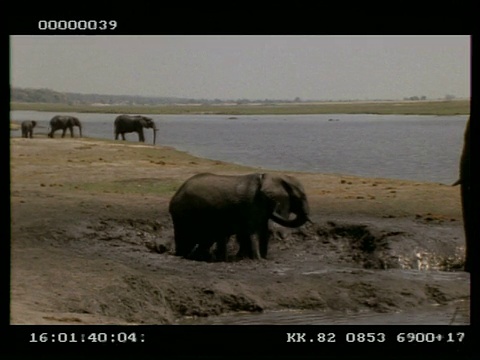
457	313
403	273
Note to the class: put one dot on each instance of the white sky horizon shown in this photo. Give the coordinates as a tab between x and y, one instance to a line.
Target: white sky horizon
246	67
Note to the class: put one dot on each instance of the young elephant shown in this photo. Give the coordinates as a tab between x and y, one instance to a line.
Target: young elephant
61	122
27	128
209	208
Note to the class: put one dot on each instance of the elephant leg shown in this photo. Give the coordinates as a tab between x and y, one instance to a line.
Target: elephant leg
221	251
255	245
71	131
201	252
183	245
248	246
244	245
63	132
467	203
123	136
191	244
263	239
141	137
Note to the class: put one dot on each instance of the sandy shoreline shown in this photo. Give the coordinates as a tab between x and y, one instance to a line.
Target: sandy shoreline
92	241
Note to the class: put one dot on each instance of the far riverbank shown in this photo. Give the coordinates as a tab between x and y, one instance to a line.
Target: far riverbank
433	107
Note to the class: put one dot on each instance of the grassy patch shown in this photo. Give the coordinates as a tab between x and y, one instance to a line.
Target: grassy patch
454	107
130	186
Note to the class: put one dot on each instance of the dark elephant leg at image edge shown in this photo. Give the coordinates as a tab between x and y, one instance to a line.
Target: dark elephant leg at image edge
466	198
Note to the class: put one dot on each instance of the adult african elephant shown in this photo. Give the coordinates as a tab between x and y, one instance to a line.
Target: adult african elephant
27	128
62	122
465	182
126	124
209	208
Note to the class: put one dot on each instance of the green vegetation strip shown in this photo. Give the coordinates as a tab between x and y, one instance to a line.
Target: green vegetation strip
131	186
452	107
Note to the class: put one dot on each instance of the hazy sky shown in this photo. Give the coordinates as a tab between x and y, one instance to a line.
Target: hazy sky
251	67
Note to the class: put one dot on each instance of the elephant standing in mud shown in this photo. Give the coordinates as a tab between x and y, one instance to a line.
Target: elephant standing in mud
61	122
126	124
27	128
209	208
465	182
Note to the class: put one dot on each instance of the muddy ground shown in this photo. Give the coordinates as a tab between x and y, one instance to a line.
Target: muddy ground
92	242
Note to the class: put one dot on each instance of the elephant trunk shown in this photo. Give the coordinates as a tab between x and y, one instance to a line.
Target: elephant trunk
80	129
154	134
299	220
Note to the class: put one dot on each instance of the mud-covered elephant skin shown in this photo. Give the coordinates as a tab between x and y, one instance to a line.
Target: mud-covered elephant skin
127	124
63	122
465	182
209	208
27	128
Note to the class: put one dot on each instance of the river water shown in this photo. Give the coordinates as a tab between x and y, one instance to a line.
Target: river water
420	148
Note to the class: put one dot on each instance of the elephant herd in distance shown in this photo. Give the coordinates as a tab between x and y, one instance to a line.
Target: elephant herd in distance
122	124
207	209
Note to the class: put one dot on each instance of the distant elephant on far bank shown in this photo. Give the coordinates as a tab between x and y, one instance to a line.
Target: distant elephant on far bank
127	123
27	128
465	182
209	208
63	122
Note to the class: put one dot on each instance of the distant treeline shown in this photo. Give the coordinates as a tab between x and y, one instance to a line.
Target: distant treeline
56	97
50	96
47	96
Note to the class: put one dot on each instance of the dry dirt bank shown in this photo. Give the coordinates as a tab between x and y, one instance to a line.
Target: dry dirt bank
91	241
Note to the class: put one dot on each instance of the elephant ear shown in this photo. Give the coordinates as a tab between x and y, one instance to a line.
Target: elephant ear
274	189
293	187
